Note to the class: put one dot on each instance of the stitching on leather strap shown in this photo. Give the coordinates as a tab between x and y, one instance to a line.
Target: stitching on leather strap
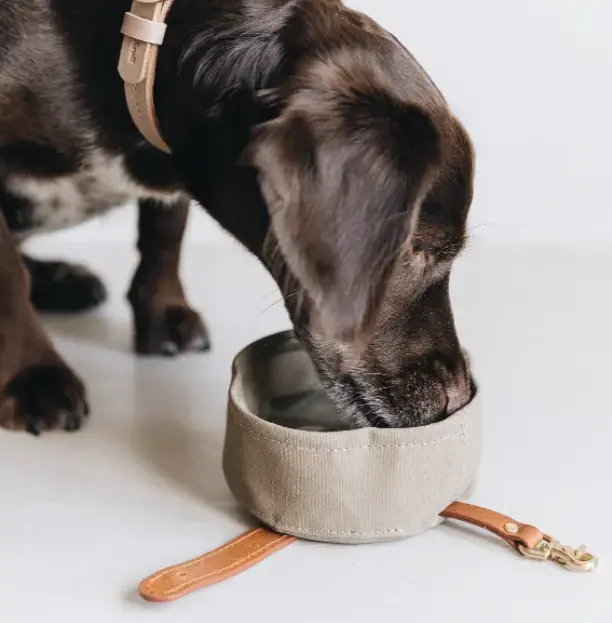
226	547
137	100
237	563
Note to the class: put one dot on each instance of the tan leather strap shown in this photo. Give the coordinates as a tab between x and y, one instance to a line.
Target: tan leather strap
513	532
143	32
223	563
259	543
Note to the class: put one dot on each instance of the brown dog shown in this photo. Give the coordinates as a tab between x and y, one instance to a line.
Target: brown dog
304	128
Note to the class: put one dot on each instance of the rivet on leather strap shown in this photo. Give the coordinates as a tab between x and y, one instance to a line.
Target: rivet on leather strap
513	532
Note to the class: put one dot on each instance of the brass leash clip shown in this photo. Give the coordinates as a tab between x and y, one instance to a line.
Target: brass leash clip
568	557
527	540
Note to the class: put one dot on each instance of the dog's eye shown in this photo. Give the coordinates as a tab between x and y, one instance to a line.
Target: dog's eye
427	249
440	251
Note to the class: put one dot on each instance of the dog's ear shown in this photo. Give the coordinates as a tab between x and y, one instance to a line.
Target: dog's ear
343	206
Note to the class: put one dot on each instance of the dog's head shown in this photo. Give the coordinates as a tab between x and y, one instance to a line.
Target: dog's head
368	182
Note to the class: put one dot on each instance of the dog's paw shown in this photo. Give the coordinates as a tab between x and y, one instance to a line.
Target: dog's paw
59	287
44	397
169	330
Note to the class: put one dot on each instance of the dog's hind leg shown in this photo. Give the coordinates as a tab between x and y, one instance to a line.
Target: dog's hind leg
38	391
164	323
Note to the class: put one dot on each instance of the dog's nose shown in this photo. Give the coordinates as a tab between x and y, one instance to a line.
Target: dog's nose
458	384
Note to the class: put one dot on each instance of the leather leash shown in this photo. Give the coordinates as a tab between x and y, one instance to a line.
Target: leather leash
257	544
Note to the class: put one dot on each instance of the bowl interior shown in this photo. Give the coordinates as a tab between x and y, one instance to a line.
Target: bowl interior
281	385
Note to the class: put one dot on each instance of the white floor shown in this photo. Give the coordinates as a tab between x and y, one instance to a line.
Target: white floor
84	517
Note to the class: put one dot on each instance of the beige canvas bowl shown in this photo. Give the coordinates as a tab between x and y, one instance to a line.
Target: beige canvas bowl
290	461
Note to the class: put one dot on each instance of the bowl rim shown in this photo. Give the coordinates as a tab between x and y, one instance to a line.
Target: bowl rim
384	436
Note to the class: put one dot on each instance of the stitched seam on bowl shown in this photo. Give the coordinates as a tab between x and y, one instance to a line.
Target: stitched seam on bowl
271	522
366	447
464	461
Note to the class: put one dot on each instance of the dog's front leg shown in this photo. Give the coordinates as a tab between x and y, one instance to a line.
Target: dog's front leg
38	391
164	323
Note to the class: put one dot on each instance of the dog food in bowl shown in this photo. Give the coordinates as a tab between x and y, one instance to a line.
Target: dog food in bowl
298	467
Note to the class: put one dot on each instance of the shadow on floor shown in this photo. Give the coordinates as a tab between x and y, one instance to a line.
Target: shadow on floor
93	329
180	440
179	412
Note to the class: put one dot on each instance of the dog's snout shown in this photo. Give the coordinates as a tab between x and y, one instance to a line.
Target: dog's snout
422	392
458	383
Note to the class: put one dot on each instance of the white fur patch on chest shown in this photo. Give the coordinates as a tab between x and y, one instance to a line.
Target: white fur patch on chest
100	185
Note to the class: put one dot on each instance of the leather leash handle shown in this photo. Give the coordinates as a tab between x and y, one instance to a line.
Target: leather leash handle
513	532
525	539
222	563
259	543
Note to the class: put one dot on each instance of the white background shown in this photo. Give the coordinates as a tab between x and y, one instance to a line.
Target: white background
532	81
84	517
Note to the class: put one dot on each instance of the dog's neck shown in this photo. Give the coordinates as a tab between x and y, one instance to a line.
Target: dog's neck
215	58
143	29
211	70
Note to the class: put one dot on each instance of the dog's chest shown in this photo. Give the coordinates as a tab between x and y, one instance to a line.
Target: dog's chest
101	184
